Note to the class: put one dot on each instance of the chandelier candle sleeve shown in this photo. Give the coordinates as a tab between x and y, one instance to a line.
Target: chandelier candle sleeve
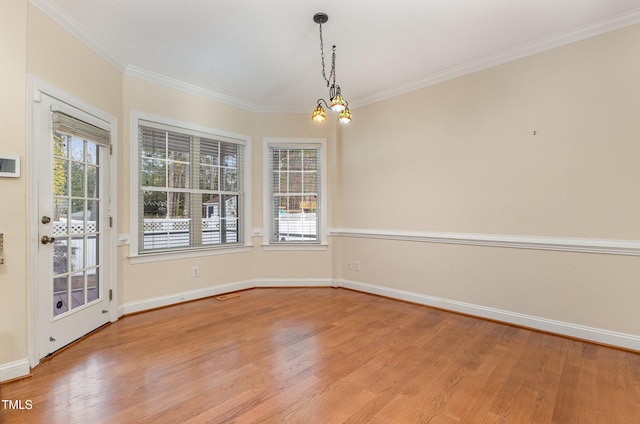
337	102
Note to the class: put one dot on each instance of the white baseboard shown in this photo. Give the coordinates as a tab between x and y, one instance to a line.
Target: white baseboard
597	335
292	282
158	302
15	369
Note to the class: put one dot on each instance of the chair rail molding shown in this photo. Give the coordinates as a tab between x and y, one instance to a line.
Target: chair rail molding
584	245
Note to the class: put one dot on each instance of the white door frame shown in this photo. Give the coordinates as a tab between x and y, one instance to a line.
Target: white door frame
36	88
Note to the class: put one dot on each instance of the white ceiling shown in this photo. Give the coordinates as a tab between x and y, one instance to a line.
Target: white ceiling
265	55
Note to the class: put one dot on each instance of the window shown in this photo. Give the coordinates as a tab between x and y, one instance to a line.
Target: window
294	189
190	191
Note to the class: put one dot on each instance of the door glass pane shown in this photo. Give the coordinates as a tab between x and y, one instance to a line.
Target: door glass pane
77	179
92	182
77	289
61	145
60	294
77	253
92	284
77	149
60	255
60	177
60	215
92	153
92	253
77	216
93	223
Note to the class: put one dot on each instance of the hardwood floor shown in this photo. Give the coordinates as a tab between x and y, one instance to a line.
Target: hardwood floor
323	355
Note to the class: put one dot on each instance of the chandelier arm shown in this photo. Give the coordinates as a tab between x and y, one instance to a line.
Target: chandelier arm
325	103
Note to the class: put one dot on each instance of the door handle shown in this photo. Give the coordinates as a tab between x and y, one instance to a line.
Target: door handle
47	239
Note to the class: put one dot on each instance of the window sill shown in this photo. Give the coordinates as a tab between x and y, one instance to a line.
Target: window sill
187	254
294	246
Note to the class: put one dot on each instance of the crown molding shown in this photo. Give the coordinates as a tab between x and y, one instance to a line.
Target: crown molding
153	77
595	28
163	80
528	49
67	22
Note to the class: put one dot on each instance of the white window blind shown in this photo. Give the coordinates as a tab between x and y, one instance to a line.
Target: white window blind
190	189
66	124
295	193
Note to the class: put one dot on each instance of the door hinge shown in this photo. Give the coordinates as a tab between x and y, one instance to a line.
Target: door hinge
110	294
110	222
110	149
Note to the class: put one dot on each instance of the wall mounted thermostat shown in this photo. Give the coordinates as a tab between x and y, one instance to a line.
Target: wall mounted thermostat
9	166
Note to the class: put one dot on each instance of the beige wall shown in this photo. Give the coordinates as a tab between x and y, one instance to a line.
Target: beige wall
462	157
13	289
61	60
455	157
468	147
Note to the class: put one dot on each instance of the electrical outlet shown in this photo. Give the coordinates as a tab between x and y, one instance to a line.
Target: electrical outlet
195	272
356	265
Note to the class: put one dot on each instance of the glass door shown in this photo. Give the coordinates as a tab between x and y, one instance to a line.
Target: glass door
73	203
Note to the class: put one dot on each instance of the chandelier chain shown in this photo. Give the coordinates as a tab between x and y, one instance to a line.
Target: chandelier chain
333	61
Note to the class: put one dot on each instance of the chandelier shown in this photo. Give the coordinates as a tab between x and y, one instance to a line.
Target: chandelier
338	103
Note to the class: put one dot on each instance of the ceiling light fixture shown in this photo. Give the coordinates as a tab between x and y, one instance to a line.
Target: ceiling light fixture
338	103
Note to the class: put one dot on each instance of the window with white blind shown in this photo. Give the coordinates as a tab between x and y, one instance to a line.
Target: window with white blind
190	190
294	206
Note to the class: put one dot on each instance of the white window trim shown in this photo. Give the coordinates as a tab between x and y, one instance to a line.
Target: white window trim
134	255
266	189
